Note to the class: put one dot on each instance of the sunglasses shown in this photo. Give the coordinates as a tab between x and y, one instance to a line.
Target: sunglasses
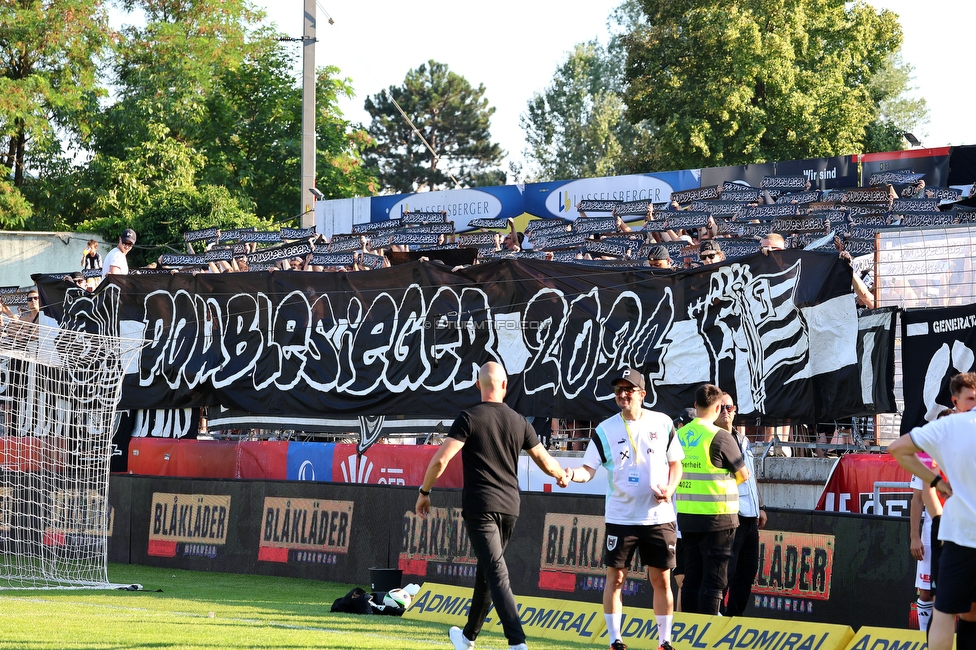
33	298
728	407
623	390
709	256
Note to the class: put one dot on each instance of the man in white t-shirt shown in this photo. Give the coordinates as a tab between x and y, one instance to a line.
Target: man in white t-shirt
115	262
951	442
924	544
642	457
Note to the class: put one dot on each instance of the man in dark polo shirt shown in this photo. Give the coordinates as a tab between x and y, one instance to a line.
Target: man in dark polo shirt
489	437
707	501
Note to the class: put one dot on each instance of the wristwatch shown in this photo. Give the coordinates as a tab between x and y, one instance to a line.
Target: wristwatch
421	490
935	481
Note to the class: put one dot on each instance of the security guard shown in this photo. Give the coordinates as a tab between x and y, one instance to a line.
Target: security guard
708	503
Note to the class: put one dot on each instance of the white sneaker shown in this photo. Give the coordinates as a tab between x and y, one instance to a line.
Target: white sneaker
520	646
460	641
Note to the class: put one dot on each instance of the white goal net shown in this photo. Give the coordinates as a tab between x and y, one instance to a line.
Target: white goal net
58	395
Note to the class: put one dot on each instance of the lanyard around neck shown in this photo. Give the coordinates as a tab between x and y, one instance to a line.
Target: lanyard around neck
630	437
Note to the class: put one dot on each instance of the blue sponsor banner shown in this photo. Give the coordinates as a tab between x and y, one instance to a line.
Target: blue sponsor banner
560	198
461	206
310	461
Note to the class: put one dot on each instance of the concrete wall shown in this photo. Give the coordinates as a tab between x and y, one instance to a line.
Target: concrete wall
794	483
24	253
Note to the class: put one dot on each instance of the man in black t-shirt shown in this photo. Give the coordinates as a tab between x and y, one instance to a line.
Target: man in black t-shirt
489	437
707	501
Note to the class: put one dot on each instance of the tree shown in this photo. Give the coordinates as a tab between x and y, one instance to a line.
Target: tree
167	68
48	84
153	187
252	135
897	112
577	127
208	119
755	80
451	115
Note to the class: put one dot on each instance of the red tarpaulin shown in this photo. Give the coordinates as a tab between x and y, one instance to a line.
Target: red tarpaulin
851	486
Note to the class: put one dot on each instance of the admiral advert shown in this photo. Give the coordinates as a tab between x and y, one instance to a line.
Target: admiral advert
188	525
310	531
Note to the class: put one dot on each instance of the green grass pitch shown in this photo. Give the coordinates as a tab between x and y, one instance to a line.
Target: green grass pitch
211	611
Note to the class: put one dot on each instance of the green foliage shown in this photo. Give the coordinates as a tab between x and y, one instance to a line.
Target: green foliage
339	162
897	112
14	208
161	224
749	81
450	114
223	87
48	85
168	67
204	130
154	189
577	127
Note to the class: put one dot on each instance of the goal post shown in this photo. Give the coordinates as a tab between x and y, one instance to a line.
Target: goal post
59	390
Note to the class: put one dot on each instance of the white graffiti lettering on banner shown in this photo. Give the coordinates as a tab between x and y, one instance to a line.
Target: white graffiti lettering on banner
958	358
753	318
163	423
195	339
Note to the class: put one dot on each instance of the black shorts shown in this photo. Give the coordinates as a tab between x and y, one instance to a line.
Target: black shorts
656	544
957	579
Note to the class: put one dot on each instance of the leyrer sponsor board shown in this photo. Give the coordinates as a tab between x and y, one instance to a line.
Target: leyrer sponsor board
188	525
311	531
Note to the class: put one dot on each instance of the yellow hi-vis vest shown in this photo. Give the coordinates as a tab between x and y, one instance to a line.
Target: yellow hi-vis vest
704	488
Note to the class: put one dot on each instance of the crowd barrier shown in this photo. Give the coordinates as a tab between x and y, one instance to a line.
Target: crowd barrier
818	567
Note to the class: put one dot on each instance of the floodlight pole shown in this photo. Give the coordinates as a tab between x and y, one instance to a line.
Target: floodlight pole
307	208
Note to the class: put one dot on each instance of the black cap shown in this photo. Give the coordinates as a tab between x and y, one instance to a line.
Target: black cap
631	375
685	416
709	245
659	253
128	236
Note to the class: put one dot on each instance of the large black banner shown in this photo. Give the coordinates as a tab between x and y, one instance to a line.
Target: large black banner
935	344
777	331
